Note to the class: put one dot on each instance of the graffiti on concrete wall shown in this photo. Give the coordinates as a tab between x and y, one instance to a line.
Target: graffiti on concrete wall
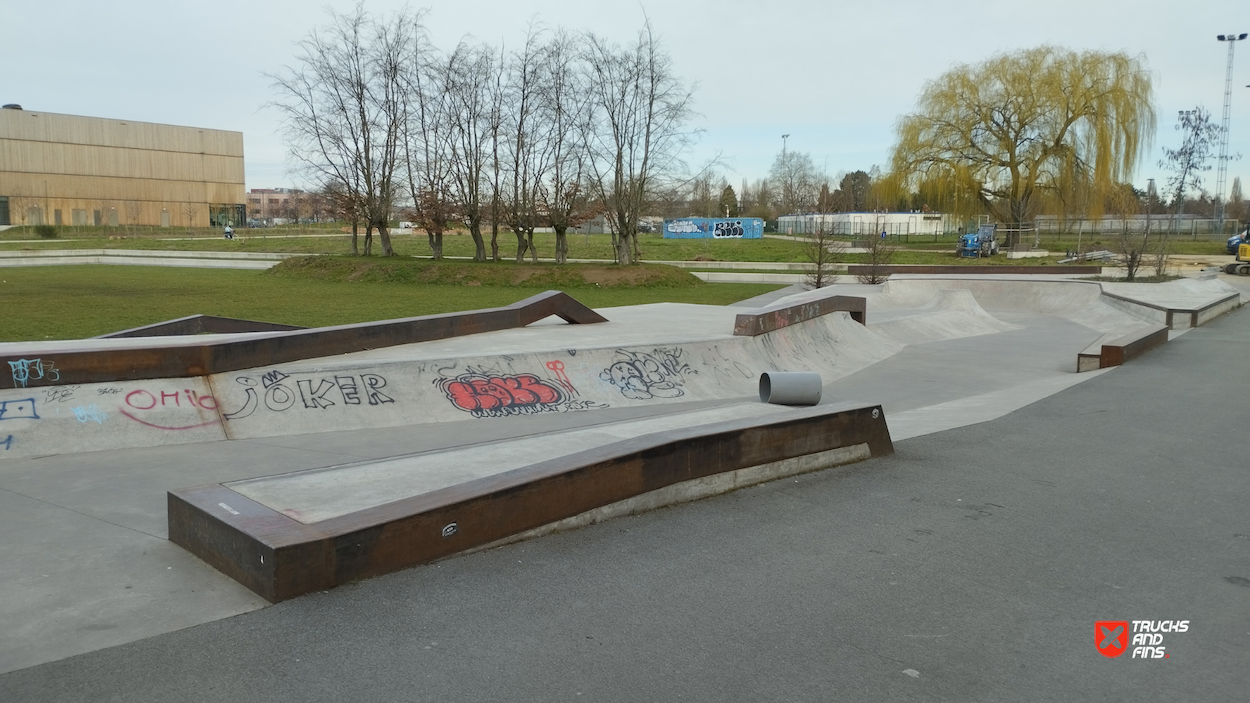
278	392
26	371
167	410
58	394
493	393
642	376
23	409
90	413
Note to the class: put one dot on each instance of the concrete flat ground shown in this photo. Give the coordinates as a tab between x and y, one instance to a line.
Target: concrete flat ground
970	566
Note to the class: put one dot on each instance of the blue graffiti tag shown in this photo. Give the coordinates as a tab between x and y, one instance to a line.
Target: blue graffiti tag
7	442
27	370
90	414
18	409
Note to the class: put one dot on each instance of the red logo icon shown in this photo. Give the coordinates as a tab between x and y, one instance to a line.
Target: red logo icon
1111	637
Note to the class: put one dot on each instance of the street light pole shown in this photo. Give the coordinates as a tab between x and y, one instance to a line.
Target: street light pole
1222	172
784	137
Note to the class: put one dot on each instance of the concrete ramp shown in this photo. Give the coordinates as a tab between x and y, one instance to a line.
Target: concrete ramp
950	314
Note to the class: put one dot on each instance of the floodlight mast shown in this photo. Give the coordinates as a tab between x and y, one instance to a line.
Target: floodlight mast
1221	173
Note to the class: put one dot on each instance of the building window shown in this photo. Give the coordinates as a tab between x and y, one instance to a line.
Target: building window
4	210
56	217
222	215
79	217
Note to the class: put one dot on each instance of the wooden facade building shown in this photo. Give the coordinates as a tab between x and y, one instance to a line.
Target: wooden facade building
70	170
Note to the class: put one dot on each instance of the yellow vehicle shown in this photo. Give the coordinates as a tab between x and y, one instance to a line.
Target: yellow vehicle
1241	266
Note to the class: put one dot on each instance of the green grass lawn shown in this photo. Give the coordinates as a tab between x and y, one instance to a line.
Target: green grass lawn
594	246
72	302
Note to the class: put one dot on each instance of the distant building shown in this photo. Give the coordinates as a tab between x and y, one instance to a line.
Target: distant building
70	170
864	223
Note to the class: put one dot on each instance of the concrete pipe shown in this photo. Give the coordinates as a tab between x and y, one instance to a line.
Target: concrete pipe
790	387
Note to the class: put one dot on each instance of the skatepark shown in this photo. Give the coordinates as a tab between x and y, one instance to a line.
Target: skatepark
143	499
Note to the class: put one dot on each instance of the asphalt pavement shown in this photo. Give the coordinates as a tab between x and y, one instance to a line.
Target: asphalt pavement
970	566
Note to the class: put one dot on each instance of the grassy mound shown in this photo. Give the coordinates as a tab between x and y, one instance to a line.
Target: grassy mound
353	269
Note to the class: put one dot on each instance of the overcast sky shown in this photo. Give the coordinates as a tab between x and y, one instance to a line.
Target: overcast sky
833	75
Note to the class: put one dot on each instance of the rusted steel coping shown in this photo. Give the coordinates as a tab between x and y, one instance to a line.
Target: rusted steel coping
865	269
200	324
1132	345
280	558
774	317
1194	313
178	361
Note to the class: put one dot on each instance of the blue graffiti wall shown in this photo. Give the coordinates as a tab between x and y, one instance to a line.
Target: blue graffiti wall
714	228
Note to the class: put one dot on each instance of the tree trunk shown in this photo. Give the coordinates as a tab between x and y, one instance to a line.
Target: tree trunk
529	237
385	237
494	239
623	253
562	245
355	237
436	244
368	250
521	245
479	244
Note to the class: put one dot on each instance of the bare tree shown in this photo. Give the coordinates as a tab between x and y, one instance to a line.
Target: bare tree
343	109
525	141
797	182
134	210
824	253
1188	162
1131	245
468	77
878	255
427	143
640	110
562	192
189	213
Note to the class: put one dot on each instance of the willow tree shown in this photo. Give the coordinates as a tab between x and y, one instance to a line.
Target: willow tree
1013	131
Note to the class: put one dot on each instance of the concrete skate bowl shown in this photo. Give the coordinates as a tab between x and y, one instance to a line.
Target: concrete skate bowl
1129	318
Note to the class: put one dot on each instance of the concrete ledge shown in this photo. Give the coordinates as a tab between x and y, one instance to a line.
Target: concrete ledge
774	317
1122	349
266	349
1176	317
864	269
279	557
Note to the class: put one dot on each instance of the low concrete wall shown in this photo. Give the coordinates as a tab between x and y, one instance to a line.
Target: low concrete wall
279	557
973	270
186	360
1176	318
774	317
